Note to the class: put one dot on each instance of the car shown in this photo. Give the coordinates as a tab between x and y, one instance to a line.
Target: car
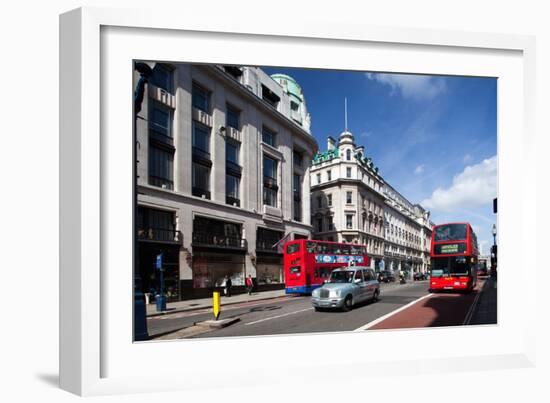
419	276
345	288
385	276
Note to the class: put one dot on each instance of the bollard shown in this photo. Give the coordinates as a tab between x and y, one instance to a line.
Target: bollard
216	305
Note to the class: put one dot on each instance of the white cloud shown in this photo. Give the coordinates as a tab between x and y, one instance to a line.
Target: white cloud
419	169
467	158
474	186
411	86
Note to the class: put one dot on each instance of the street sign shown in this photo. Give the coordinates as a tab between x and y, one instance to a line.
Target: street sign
216	307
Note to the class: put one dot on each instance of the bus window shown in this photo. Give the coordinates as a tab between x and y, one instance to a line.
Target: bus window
310	247
293	248
295	270
316	273
345	250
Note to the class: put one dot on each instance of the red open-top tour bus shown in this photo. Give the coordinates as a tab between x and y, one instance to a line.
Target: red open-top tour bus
308	263
454	253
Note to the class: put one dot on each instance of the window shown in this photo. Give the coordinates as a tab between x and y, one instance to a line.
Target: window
232	152
329	175
348	172
349	196
318	179
297	190
201	98
294	106
160	123
162	77
201	138
349	221
329	223
297	158
201	180
268	136
161	167
270	97
359	275
270	181
319	202
329	200
232	117
348	155
319	225
232	190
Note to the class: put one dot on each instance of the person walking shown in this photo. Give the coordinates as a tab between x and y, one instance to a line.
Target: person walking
249	284
228	286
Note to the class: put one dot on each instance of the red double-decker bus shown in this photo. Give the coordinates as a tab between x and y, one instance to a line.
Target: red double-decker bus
454	254
309	263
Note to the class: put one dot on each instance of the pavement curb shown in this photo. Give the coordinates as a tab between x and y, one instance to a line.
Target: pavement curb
197	308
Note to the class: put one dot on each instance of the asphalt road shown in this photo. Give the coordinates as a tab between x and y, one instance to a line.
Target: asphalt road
291	315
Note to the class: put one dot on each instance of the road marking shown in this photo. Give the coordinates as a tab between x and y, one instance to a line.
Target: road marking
278	316
381	318
470	313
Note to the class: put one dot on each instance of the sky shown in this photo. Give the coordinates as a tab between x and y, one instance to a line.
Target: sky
433	138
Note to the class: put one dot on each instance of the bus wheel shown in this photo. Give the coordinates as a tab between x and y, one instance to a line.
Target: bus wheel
348	303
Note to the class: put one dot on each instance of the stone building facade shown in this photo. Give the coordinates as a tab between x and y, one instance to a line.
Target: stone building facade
347	199
223	155
351	202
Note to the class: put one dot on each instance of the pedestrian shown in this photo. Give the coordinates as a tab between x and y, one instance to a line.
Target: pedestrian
227	286
249	284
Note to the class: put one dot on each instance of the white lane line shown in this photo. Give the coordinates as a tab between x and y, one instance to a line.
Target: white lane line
381	318
470	313
278	316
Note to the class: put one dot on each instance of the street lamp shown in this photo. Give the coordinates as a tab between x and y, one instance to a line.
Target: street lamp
494	251
140	310
494	232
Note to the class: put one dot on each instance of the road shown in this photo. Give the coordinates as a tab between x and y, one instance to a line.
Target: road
400	306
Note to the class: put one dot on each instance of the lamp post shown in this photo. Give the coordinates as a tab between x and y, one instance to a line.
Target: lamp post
494	251
140	310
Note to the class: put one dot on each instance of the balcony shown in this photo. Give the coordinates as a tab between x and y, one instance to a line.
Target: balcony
204	239
160	235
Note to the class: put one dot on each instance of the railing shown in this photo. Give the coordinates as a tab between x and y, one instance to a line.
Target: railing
160	235
266	245
219	241
199	192
232	201
161	182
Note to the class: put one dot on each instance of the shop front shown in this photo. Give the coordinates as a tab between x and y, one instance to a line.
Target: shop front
156	235
269	262
218	251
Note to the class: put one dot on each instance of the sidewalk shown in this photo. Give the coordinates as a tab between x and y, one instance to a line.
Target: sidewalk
486	310
205	303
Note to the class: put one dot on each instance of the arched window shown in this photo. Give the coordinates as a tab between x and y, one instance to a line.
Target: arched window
348	154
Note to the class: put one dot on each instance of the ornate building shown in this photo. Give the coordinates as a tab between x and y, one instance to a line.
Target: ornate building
351	202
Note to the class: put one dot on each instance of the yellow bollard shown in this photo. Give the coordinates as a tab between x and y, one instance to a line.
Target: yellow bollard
216	306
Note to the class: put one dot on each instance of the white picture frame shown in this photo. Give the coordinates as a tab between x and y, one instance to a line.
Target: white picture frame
97	355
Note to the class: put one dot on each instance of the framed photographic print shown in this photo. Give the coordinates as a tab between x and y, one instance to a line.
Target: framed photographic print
288	193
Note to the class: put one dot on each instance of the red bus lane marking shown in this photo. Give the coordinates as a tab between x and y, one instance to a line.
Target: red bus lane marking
448	309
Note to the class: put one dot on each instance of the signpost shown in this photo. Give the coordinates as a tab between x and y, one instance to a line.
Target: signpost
216	306
160	298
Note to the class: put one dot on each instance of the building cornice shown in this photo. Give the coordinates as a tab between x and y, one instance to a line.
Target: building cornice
265	106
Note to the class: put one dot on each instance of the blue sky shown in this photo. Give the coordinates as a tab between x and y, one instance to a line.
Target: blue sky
432	137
